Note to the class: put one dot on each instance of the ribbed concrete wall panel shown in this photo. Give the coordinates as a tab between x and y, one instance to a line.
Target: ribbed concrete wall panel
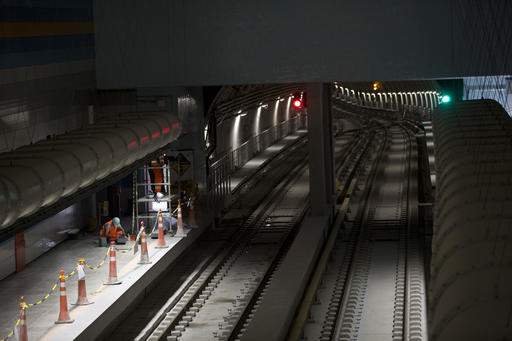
477	186
471	268
468	232
29	183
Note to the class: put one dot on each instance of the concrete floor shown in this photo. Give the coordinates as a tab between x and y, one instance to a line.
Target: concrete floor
39	276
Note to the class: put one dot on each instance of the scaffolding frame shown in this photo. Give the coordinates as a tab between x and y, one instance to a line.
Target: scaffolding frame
144	197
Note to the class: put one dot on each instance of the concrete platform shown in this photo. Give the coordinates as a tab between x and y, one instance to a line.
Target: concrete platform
37	280
110	302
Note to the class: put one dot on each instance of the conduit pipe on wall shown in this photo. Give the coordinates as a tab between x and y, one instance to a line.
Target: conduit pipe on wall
38	175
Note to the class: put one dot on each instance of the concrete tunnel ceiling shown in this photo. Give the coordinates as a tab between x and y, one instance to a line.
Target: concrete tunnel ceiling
213	43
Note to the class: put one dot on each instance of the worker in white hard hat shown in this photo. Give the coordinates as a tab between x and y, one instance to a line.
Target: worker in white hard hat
113	231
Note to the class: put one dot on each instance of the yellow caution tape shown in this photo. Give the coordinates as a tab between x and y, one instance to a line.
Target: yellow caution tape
100	264
43	299
47	295
11	333
25	305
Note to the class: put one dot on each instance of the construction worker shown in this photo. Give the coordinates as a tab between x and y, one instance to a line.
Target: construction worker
156	174
112	231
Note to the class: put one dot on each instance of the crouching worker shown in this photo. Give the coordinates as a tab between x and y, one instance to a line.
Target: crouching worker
112	231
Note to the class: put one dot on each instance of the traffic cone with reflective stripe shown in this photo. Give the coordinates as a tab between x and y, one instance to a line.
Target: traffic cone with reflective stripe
63	313
112	269
22	332
161	244
180	232
144	256
141	228
82	291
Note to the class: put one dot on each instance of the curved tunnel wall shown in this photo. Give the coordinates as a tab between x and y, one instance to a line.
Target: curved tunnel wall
471	270
234	131
425	99
38	175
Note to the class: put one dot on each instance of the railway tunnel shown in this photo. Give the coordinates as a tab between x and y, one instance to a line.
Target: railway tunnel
199	170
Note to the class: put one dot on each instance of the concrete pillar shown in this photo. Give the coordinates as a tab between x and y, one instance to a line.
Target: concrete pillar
19	251
187	104
321	161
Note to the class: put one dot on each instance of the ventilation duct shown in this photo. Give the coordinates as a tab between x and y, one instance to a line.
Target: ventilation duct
38	175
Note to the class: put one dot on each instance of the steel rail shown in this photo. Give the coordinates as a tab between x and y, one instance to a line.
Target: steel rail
216	259
193	302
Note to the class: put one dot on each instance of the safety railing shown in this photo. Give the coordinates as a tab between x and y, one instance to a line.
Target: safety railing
219	178
389	109
219	185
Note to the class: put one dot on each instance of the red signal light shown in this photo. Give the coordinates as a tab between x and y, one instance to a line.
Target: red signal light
297	103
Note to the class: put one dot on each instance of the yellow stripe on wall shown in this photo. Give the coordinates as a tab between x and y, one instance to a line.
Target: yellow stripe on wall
38	29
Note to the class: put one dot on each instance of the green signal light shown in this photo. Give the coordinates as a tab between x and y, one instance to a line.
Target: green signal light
446	99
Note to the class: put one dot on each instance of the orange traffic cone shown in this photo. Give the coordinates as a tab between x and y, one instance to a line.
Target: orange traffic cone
191	214
82	291
112	269
63	313
144	256
180	232
161	244
141	228
22	332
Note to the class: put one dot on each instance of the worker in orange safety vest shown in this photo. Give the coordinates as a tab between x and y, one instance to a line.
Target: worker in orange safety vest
112	231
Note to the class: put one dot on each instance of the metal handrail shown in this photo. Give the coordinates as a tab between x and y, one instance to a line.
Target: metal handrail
398	109
219	179
255	139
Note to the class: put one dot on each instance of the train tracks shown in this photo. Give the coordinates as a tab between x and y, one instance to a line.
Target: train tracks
219	302
140	322
254	234
214	304
372	287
